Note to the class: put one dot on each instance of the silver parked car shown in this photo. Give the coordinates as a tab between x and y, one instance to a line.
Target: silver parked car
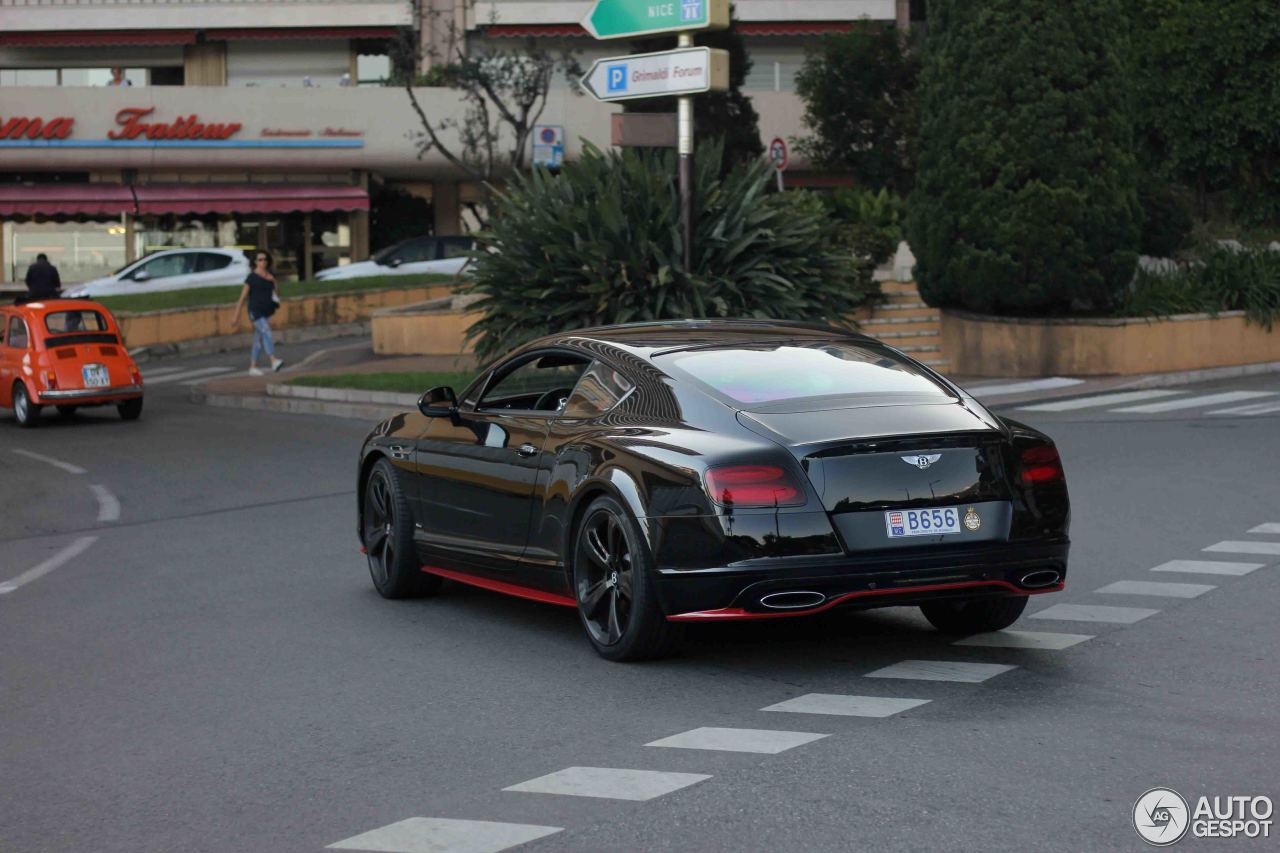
170	269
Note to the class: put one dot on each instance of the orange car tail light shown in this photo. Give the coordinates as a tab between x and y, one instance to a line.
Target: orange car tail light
50	380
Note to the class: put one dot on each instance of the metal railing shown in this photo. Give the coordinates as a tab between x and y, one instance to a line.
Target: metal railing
108	3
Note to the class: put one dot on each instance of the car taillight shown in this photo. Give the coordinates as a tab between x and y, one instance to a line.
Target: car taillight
51	380
1041	465
137	375
753	486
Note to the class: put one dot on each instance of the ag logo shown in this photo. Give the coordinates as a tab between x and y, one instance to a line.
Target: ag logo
1161	816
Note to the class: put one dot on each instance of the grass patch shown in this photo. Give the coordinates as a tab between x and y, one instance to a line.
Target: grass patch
406	382
203	297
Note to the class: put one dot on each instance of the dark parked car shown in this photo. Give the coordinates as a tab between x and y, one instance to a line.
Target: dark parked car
661	473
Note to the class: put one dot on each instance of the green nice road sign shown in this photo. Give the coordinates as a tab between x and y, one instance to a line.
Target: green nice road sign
620	19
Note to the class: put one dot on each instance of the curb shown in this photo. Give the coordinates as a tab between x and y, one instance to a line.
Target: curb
1107	384
294	406
342	395
230	343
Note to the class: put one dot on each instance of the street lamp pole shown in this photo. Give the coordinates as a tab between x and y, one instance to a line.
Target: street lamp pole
684	148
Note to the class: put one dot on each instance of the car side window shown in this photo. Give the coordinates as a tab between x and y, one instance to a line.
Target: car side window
17	337
208	262
530	386
600	389
414	252
167	266
455	247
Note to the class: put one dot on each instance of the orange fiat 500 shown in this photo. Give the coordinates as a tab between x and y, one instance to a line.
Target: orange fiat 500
66	353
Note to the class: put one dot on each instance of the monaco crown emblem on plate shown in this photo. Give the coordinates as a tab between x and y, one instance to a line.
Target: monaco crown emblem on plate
972	520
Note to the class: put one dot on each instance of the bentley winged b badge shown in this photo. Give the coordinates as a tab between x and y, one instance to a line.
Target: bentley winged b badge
922	460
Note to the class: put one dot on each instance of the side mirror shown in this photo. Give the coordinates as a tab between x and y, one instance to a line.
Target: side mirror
439	402
141	275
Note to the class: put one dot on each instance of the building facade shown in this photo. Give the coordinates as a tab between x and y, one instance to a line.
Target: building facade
127	126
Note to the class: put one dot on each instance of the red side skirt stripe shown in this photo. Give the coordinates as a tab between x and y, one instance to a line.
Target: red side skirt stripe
737	613
503	587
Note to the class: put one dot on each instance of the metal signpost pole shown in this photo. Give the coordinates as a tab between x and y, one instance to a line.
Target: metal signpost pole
684	148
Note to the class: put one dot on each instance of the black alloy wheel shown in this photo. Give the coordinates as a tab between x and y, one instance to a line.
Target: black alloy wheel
614	587
974	616
387	533
27	412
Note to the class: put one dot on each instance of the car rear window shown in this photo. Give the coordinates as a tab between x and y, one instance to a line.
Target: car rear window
762	374
69	322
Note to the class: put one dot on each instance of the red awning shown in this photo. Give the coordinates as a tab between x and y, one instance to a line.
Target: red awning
241	33
249	198
746	28
65	200
97	38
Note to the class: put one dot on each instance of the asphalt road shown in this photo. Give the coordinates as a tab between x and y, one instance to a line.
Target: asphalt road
212	670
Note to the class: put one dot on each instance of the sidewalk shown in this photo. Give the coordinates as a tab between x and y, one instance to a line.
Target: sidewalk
270	393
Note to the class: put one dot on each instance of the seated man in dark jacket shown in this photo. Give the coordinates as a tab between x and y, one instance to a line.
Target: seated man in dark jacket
43	281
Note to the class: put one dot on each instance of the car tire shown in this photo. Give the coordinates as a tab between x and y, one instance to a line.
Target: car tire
67	411
974	616
387	533
615	586
26	412
130	410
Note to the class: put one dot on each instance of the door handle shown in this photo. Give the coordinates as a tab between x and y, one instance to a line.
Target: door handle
526	449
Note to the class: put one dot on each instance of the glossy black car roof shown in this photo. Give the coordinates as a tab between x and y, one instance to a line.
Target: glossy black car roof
648	339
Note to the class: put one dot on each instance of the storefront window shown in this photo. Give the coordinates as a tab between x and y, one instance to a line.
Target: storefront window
67	76
80	250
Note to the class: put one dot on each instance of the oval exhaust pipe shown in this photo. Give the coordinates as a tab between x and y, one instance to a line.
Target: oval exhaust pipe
1042	578
792	600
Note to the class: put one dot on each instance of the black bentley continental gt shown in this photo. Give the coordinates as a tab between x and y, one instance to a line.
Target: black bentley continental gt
656	474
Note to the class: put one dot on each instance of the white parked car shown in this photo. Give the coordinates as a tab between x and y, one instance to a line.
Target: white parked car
442	255
170	269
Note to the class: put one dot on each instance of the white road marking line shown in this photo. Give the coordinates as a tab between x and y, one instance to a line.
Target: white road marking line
1001	389
1207	567
1252	409
1024	640
1195	402
445	835
1095	613
1234	547
1269	527
609	783
160	371
763	741
189	374
108	506
942	670
1098	400
66	555
841	705
1172	590
49	460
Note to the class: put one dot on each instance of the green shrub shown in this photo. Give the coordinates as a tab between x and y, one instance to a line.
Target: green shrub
1025	195
872	221
601	243
1226	279
1166	218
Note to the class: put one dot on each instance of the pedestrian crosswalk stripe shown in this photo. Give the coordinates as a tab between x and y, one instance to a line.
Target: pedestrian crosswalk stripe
763	741
941	670
609	783
1207	567
1268	527
1024	640
445	835
1095	613
1098	401
1231	547
842	705
1171	590
1003	389
1195	402
188	374
1252	409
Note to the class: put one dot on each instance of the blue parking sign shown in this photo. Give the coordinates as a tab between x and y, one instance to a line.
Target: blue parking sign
691	10
617	78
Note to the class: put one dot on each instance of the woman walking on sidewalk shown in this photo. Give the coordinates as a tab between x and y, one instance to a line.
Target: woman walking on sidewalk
260	290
